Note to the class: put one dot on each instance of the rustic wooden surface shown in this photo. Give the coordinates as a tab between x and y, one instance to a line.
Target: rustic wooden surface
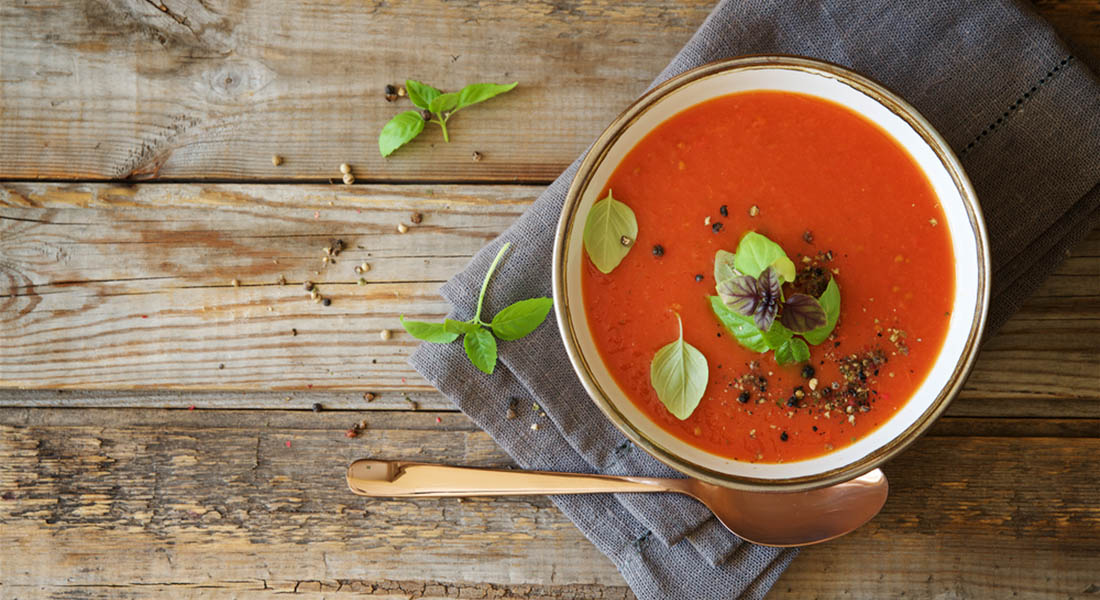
147	402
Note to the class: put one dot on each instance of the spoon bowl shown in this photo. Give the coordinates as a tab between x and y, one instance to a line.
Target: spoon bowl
766	518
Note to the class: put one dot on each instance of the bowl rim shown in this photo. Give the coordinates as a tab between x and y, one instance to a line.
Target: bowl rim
892	102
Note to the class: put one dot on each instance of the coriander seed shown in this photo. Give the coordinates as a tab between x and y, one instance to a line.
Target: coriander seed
345	168
349	179
384	334
307	286
276	160
402	228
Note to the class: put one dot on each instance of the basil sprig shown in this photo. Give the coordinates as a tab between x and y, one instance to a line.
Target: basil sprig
511	323
439	108
752	306
609	233
679	375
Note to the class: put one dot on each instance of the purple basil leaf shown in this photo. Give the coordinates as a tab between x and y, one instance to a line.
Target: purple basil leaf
769	283
764	315
802	313
767	286
741	294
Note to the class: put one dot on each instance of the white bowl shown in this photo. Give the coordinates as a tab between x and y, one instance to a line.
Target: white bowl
912	132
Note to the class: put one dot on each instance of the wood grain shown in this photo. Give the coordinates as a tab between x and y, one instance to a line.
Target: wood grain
212	89
214	503
126	491
185	89
105	287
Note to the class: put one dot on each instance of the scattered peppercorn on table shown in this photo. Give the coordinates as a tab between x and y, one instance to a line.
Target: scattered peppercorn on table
202	262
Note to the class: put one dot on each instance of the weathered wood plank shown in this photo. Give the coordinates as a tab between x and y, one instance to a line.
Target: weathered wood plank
112	501
145	271
213	89
1076	21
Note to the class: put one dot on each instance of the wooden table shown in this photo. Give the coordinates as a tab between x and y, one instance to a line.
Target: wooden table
157	431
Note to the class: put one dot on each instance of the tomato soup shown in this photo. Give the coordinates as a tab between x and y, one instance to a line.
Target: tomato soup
843	199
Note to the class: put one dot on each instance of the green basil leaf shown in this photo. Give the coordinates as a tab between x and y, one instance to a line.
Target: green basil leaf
679	374
400	131
459	326
744	330
481	347
443	103
723	266
792	351
830	301
521	318
429	332
421	94
608	225
480	92
756	253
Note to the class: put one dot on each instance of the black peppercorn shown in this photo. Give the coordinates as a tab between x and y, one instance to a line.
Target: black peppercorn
744	397
783	436
792	401
327	301
724	210
426	114
307	286
716	227
699	277
808	371
317	407
390	90
658	250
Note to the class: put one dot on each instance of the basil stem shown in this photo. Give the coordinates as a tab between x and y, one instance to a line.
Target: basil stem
485	283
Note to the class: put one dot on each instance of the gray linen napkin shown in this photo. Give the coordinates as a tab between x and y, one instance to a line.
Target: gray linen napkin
1019	109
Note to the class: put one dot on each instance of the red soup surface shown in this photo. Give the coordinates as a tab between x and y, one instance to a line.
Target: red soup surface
840	196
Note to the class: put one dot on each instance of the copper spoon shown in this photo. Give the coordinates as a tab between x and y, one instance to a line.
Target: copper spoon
768	518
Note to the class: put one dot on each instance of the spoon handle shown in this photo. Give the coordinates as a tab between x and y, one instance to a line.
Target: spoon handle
399	479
